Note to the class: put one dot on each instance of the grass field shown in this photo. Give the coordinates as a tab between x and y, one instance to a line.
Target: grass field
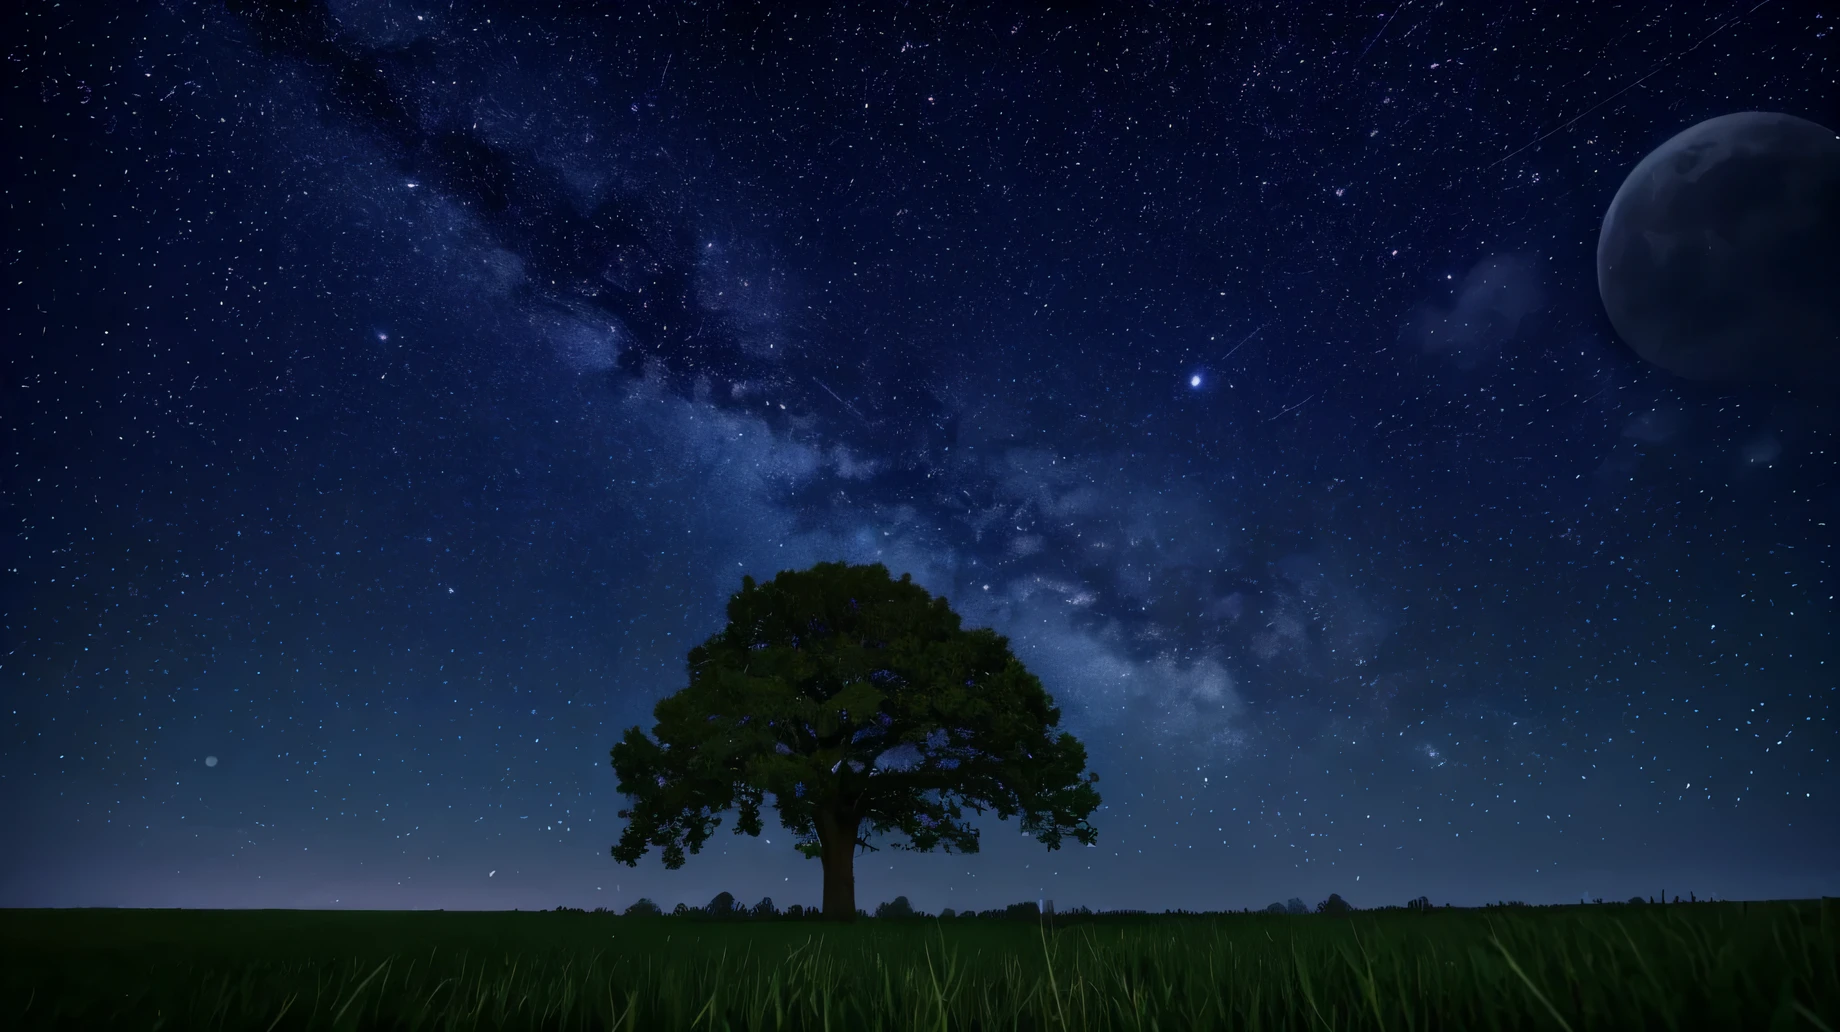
1722	965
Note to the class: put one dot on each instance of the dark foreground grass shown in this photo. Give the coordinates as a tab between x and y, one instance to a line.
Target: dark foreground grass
1765	966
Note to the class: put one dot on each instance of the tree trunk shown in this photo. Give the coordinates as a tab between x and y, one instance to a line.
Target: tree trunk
837	840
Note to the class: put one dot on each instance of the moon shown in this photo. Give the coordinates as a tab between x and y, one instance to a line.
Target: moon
1719	258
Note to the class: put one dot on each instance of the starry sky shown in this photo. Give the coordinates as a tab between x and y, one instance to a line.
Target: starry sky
395	390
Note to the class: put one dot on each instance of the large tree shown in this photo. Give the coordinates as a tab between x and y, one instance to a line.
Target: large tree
863	708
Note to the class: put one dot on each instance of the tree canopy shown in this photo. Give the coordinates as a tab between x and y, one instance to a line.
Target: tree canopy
863	708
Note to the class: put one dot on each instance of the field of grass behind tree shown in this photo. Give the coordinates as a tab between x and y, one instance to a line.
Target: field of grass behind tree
1709	965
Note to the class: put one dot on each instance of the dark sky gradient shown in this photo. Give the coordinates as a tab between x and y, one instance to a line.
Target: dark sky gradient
395	392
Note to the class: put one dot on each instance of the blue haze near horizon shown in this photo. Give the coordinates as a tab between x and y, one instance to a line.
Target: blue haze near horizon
396	391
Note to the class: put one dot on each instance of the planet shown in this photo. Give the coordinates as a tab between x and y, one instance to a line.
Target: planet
210	761
1719	258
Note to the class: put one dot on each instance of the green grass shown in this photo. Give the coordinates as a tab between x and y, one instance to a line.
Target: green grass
1765	966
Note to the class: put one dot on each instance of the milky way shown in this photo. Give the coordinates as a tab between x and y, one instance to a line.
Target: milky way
396	392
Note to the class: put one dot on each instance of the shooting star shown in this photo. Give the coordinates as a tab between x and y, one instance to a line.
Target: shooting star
1292	408
1256	331
1665	63
840	400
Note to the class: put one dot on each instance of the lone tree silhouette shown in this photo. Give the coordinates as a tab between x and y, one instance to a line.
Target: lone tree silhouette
859	703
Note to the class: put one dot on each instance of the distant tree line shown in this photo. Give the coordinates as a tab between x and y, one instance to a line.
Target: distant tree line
725	907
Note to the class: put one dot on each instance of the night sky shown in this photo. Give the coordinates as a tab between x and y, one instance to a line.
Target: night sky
395	391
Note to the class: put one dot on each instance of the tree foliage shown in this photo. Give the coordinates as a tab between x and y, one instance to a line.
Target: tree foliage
862	708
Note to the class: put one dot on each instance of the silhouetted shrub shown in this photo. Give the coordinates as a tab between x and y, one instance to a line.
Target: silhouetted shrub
723	905
896	907
1335	904
765	908
1296	906
948	913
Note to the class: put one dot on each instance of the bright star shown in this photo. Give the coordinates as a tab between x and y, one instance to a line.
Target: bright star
1195	380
